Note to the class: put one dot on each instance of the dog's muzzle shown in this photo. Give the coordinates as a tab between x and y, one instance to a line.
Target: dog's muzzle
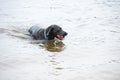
61	36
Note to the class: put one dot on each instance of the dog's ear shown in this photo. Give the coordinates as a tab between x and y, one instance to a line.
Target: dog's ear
49	30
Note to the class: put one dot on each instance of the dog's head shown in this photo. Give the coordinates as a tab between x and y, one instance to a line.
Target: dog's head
55	31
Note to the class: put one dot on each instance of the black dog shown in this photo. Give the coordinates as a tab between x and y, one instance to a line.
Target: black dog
47	34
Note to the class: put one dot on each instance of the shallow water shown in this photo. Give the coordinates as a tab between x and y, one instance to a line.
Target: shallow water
89	52
51	45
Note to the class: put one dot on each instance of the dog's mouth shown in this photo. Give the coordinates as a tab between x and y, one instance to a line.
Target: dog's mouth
60	37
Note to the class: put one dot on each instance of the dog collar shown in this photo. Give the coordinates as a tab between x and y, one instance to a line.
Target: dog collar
45	35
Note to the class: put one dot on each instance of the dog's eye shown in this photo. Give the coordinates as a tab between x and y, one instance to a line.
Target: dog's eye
58	30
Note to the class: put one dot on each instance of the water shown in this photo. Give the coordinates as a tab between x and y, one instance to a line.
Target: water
90	51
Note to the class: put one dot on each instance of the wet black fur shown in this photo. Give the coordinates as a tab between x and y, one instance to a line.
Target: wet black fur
46	34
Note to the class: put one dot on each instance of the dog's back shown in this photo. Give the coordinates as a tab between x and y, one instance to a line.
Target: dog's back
36	32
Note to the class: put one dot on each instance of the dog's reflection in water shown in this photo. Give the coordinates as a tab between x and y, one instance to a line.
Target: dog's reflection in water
53	46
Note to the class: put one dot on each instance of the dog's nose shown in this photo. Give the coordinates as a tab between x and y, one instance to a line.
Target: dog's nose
65	33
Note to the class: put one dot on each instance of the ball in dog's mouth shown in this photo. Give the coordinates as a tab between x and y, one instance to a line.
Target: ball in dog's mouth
60	36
